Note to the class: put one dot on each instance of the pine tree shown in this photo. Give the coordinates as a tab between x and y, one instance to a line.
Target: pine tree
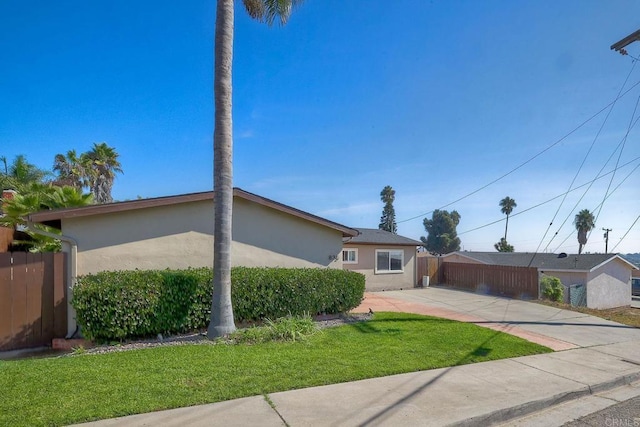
388	218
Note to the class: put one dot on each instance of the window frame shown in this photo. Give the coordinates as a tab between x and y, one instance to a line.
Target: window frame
389	271
354	250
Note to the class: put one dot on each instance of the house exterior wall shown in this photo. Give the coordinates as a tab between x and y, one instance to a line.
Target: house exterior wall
383	281
568	278
609	286
181	236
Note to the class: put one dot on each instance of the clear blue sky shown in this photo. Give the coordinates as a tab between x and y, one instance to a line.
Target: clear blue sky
435	98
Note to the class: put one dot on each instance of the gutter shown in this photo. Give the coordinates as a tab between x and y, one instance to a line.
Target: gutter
72	269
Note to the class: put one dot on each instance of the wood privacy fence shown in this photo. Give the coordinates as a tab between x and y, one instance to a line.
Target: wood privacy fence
514	282
33	303
427	266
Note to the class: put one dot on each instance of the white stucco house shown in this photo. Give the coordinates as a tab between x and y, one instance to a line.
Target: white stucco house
600	280
387	260
177	232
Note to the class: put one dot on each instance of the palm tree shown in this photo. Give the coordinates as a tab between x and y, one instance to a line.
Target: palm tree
584	222
72	169
507	204
20	174
263	11
100	167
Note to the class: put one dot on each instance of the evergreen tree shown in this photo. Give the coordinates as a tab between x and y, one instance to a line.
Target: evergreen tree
503	246
388	218
442	236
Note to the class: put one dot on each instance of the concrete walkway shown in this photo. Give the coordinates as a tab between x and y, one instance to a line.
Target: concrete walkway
598	361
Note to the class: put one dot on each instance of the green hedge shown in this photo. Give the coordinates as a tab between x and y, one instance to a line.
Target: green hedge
127	304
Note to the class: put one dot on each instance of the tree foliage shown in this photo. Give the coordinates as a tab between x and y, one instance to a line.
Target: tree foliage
38	197
584	222
442	237
503	246
388	218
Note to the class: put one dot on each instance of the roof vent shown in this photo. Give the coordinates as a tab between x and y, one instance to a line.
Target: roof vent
562	255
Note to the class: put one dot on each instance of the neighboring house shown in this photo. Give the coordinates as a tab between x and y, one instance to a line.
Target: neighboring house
387	260
606	277
177	232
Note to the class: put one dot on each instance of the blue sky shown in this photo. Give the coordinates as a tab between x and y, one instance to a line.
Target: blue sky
435	98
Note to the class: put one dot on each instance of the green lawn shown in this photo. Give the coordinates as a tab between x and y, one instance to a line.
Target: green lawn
64	390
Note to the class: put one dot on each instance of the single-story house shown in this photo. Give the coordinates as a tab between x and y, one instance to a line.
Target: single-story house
177	232
604	280
387	260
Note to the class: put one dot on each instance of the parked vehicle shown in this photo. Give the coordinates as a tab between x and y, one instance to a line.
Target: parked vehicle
635	286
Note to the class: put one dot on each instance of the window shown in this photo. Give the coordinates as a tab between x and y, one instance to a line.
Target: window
349	256
389	261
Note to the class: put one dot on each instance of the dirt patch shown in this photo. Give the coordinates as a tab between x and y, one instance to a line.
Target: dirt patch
625	315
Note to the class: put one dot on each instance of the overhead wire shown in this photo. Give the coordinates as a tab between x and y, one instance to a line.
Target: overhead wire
586	156
600	204
625	234
520	212
598	175
521	165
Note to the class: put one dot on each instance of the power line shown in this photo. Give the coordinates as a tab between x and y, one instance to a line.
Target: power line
604	122
598	175
560	195
625	234
613	191
530	159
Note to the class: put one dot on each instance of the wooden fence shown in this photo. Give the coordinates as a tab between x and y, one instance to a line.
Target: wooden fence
427	266
33	304
514	282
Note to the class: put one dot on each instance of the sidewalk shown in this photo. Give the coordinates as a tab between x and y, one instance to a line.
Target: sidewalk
478	394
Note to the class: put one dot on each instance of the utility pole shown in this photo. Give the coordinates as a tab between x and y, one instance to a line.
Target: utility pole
606	239
620	45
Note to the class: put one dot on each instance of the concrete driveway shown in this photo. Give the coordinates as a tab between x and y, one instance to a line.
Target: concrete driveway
563	329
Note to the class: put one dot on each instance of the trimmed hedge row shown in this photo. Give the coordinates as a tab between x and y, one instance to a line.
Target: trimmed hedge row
126	304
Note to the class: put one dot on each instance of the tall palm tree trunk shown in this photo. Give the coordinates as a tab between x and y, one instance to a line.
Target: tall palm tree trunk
221	307
506	227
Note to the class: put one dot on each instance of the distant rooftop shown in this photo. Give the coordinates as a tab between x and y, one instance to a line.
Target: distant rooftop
542	261
374	236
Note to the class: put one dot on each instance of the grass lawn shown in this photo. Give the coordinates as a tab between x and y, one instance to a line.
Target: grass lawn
625	315
65	390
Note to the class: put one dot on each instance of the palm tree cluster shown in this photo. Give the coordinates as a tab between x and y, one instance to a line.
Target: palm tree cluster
38	189
96	170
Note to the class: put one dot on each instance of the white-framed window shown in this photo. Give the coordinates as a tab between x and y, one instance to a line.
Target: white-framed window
389	261
350	256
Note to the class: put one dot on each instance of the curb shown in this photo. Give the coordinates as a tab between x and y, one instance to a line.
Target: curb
519	411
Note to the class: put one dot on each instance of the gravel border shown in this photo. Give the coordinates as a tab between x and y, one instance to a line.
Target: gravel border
200	338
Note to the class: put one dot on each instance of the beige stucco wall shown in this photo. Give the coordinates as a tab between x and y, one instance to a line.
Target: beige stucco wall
609	286
181	236
384	281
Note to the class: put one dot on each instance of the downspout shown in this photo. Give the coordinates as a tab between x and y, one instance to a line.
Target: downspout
72	268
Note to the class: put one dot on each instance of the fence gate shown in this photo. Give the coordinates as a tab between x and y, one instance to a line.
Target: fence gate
427	266
33	303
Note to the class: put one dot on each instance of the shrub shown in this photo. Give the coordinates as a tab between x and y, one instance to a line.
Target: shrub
127	304
552	288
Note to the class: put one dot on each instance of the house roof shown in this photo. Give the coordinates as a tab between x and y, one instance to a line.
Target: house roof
54	217
374	236
543	261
